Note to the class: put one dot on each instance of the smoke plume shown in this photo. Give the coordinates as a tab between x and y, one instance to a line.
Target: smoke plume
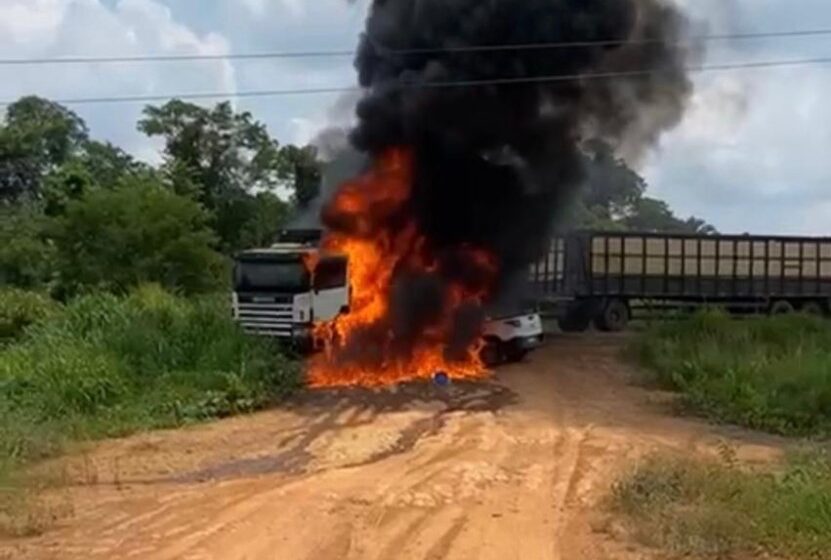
493	162
498	136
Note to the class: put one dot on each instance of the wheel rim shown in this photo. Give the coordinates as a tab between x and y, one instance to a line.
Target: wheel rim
616	317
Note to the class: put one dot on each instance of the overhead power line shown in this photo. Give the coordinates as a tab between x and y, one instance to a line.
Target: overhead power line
436	85
403	52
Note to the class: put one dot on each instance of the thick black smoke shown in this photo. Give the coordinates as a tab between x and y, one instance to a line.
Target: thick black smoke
495	161
494	164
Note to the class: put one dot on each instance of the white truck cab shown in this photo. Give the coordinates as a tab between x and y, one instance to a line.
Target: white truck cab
276	294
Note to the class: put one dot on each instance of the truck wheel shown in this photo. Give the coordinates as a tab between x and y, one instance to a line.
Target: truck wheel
578	318
814	308
781	307
574	323
491	353
614	317
514	353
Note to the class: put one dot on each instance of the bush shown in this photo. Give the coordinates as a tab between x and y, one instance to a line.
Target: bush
772	374
106	365
115	240
20	309
26	257
717	510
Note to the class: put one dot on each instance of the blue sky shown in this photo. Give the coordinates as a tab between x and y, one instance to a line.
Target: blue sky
752	153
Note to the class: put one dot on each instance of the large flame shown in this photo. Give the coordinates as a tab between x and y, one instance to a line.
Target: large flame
373	227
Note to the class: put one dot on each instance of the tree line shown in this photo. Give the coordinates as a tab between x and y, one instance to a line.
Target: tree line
80	215
614	198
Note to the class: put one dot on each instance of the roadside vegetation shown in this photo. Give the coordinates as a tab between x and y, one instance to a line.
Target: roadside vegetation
771	374
93	246
104	365
721	510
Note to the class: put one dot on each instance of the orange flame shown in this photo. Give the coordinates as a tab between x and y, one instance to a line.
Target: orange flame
373	228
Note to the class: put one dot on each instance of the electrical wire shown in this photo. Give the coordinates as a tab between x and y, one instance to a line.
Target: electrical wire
403	52
435	85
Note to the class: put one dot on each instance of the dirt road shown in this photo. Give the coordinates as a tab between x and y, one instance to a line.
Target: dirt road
509	469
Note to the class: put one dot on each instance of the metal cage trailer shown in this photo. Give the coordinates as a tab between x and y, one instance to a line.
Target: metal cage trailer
608	277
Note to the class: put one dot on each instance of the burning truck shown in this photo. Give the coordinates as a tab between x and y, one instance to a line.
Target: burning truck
475	119
297	292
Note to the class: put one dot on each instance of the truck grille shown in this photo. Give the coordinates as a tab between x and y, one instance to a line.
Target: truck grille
266	319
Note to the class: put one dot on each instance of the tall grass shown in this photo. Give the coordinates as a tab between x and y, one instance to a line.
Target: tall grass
772	374
21	308
719	510
106	366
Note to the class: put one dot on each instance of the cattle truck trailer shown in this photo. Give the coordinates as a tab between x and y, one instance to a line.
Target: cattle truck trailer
605	278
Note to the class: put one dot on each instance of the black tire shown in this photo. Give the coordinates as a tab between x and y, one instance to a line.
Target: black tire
491	354
781	307
574	323
614	317
515	353
304	348
814	308
578	318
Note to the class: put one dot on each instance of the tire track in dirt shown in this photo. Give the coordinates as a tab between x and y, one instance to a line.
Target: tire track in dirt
512	468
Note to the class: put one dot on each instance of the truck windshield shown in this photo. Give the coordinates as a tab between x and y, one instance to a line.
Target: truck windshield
258	276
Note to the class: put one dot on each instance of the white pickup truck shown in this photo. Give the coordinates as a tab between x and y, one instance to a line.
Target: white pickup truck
509	338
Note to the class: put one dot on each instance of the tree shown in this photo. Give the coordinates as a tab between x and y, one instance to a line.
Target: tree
140	231
613	198
304	171
27	257
650	214
269	212
109	164
223	158
246	221
68	182
96	165
697	225
36	136
226	152
612	187
653	215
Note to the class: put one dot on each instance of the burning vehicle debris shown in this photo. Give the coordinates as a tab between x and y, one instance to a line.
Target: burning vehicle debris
474	121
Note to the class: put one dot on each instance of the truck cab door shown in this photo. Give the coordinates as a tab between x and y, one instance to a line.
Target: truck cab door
330	289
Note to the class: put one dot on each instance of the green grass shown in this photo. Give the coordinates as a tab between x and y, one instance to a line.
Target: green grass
105	366
21	308
719	510
772	374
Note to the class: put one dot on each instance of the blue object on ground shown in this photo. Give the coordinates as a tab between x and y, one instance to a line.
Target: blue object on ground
441	379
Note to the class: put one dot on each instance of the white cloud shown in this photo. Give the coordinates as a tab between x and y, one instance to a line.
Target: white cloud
296	9
752	153
53	28
26	21
256	7
260	7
